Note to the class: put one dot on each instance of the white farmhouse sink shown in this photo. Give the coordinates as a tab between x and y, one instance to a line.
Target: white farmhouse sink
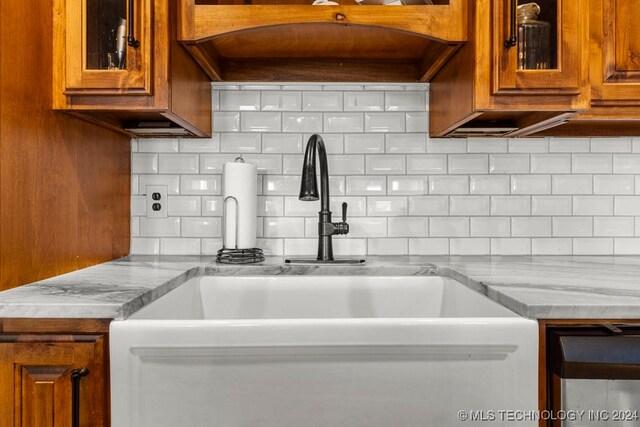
291	351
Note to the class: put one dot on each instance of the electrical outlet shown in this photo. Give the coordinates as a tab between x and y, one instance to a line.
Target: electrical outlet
157	201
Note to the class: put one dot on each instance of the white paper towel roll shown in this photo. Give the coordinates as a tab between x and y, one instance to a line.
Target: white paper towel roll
240	181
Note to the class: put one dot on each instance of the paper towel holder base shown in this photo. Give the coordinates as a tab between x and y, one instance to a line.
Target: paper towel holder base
236	255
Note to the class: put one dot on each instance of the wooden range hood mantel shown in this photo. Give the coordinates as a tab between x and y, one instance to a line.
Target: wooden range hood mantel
290	40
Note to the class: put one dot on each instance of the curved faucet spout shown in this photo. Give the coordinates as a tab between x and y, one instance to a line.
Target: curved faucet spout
309	192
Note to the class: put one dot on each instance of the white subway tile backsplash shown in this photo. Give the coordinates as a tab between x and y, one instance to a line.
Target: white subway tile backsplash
490	226
449	227
428	246
281	143
592	246
507	246
184	206
618	226
191	145
569	145
179	163
627	205
530	184
428	205
417	122
531	226
281	101
364	101
613	184
158	145
302	122
240	143
486	145
468	164
387	164
510	205
407	193
180	246
201	227
322	101
408	226
159	227
551	205
171	181
626	246
626	163
528	145
469	205
470	246
444	184
408	143
509	163
384	122
591	163
572	184
610	145
212	205
388	246
592	205
200	184
423	164
363	143
551	246
407	185
144	163
262	122
284	227
225	121
489	184
405	101
366	185
386	206
343	122
246	100
446	145
572	226
145	246
550	163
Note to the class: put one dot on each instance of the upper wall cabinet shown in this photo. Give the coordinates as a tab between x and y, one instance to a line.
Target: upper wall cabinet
341	40
614	72
524	69
118	63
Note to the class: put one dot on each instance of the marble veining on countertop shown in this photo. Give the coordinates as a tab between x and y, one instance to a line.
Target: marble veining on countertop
587	287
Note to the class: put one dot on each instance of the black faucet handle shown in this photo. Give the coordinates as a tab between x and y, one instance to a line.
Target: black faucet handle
344	211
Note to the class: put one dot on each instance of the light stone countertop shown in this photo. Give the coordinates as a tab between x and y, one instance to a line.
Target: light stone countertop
539	287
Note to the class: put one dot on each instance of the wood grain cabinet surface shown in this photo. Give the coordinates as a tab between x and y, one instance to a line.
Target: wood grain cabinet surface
160	86
482	92
35	376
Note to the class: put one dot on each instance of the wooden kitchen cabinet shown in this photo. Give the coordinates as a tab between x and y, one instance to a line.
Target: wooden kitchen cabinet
292	40
154	89
614	72
36	370
482	90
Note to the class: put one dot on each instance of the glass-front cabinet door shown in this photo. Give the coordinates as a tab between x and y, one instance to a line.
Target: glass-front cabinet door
539	46
107	46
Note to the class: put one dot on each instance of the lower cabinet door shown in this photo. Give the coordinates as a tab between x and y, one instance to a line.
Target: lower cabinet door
37	376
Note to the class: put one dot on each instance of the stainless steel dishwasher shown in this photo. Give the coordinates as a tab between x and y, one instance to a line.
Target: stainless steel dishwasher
593	375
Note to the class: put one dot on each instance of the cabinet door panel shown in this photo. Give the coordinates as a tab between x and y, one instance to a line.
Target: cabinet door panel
75	53
621	44
568	47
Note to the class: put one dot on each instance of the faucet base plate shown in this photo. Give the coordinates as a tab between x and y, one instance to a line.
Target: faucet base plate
315	261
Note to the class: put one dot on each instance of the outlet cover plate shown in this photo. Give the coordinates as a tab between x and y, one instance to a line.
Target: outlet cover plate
163	201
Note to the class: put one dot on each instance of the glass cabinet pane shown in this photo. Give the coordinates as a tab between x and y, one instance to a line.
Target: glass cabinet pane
106	32
537	34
